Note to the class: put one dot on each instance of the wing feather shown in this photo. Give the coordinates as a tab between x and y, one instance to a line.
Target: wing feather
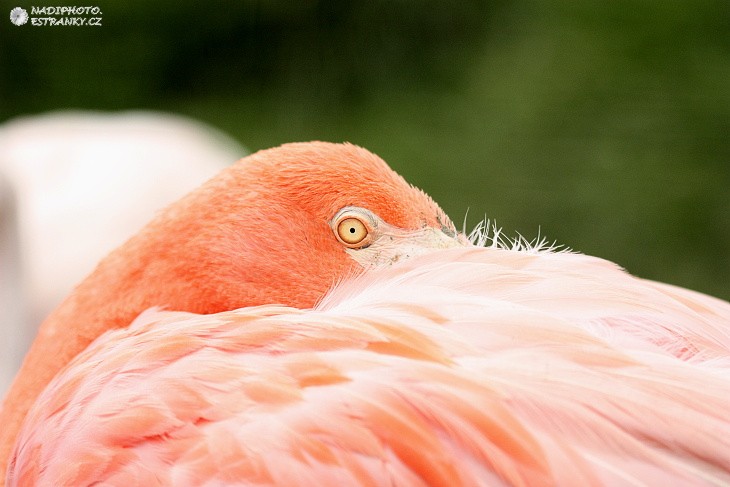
462	367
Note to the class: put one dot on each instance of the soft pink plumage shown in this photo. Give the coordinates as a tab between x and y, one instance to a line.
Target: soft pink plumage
473	366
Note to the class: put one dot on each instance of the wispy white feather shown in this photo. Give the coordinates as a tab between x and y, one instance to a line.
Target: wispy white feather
487	234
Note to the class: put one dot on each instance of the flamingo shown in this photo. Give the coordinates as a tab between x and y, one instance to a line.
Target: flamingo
372	345
97	176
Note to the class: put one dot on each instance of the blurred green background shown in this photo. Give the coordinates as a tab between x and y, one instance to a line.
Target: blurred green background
605	125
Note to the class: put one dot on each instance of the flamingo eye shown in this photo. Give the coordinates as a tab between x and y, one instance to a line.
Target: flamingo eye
353	232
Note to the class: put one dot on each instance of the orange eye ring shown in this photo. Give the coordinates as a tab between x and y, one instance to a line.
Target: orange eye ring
353	232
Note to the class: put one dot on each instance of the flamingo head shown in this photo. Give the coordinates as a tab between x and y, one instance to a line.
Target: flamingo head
283	226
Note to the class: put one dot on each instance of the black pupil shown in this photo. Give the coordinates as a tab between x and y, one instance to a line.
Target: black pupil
352	229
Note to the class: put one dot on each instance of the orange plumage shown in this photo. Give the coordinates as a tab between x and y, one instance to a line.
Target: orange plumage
465	366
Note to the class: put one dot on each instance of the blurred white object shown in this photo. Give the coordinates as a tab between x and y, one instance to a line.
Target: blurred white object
82	183
15	339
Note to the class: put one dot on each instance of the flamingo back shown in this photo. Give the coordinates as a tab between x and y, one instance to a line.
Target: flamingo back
471	366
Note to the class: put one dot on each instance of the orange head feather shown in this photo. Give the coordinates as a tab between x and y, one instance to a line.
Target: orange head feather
260	232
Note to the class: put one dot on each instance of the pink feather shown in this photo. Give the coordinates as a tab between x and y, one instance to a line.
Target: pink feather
470	366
